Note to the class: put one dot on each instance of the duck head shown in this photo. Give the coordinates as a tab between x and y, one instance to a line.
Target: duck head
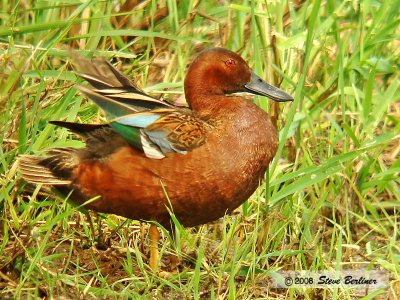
218	71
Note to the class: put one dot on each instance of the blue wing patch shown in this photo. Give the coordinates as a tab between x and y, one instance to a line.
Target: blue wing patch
138	120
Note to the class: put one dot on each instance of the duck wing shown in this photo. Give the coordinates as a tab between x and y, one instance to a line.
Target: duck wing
162	130
155	131
148	124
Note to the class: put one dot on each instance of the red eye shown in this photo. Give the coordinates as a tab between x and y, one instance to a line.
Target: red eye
230	63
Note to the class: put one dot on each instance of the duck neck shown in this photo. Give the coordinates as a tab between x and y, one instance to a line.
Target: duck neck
202	94
202	102
203	89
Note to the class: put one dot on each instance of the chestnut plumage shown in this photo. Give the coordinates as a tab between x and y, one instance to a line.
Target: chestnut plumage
203	162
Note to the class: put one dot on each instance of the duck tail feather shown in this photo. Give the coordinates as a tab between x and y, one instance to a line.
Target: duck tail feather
54	169
82	130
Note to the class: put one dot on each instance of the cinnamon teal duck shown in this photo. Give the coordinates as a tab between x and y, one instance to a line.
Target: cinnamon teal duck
201	162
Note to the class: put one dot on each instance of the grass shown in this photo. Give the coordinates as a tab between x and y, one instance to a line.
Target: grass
332	197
